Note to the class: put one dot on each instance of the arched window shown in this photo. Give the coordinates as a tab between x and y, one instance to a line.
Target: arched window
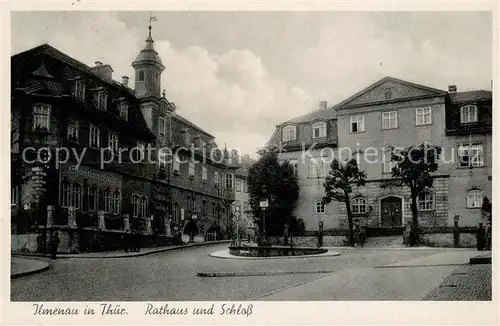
65	194
358	205
204	208
116	202
425	201
474	198
77	196
107	201
319	129
93	199
144	206
289	133
135	205
468	114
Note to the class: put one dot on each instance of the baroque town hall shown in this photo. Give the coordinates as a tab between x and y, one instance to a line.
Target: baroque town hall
59	102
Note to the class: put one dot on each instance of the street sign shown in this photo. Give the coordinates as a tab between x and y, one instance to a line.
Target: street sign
237	215
194	217
237	209
264	204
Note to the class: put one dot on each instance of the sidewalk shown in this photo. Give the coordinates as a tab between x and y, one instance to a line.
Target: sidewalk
406	280
122	254
20	266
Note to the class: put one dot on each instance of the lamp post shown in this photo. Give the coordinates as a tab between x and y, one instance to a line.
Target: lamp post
264	205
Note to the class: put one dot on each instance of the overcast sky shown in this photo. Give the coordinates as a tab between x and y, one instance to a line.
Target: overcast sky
238	74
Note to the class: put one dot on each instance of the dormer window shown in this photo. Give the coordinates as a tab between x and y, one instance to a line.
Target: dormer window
319	130
41	117
289	133
101	99
468	114
79	89
123	109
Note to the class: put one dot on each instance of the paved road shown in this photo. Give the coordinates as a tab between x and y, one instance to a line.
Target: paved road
171	276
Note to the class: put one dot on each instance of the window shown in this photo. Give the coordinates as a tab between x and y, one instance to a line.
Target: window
474	198
95	136
191	169
359	205
107	201
190	204
139	151
389	120
471	156
144	206
101	99
289	133
204	174
388	163
229	181
77	196
319	207
357	123
93	199
175	212
135	205
295	166
65	194
187	137
245	187
116	202
317	167
204	208
177	164
319	130
141	75
161	126
41	117
217	179
79	89
468	114
425	201
238	185
73	130
423	116
14	195
123	108
113	141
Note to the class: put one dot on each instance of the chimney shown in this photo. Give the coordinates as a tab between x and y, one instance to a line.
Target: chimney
452	89
323	105
103	71
125	81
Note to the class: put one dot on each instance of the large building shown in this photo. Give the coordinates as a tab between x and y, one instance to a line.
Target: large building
123	180
241	202
398	113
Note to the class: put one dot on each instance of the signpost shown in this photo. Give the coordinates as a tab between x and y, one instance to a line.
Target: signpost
264	204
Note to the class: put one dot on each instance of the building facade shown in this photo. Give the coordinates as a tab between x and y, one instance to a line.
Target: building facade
393	112
126	158
241	202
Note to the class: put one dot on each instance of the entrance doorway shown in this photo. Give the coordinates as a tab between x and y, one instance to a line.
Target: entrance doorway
391	211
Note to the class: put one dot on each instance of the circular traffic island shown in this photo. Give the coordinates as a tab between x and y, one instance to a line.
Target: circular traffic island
272	252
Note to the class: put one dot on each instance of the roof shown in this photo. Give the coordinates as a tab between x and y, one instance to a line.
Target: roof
55	53
185	121
328	113
246	163
470	96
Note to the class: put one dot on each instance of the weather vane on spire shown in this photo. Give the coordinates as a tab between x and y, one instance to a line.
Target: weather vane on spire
151	19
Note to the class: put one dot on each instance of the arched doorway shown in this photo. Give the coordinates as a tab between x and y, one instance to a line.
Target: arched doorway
391	211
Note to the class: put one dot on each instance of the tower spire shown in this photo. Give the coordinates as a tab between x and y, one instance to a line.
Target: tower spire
151	19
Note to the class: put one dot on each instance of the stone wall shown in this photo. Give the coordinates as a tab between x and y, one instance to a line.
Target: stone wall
467	240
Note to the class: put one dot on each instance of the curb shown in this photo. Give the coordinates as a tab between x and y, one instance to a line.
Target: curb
223	254
479	260
30	272
139	254
238	274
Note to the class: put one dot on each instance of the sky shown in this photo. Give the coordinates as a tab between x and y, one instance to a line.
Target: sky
239	74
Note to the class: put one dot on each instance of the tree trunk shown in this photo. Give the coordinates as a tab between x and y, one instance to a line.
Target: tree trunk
414	229
349	220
